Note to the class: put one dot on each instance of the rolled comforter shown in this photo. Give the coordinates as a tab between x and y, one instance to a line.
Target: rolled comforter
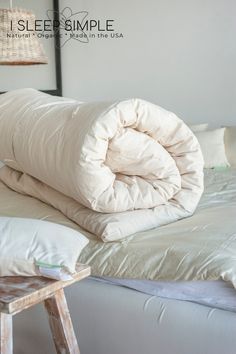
114	168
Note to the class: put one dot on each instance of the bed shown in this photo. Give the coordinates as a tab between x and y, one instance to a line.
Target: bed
113	316
163	276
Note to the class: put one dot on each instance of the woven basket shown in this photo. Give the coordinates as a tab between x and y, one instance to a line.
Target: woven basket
19	47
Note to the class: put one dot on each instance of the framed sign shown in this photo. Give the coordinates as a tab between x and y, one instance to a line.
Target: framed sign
46	77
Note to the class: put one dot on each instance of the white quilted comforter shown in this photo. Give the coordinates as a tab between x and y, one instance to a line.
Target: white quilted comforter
113	168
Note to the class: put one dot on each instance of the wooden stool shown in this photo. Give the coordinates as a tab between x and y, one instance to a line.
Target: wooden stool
20	293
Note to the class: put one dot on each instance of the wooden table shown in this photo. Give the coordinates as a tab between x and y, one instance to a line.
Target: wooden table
20	293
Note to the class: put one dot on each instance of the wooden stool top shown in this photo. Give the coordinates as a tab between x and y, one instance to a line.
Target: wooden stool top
19	293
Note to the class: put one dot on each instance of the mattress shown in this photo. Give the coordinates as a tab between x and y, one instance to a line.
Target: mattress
114	320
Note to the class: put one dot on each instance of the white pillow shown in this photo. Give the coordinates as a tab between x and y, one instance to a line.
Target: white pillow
34	247
1	164
230	145
213	148
199	127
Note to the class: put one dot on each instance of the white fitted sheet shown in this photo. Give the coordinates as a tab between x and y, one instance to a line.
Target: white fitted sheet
217	294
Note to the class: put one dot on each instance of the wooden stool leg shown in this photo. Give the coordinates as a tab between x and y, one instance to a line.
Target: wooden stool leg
61	325
6	345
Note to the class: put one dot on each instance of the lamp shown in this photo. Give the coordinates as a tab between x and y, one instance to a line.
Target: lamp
19	47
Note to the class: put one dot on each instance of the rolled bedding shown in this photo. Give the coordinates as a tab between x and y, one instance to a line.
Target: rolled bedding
114	168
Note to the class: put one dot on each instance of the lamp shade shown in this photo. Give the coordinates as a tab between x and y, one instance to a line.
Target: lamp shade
19	46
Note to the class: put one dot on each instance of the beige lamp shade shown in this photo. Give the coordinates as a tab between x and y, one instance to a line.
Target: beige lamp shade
19	47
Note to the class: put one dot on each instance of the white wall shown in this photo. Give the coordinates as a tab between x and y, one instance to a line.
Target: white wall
180	54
